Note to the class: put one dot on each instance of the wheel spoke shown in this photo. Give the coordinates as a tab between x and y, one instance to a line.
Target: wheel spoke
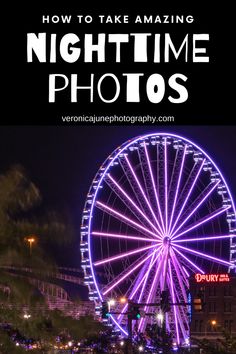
166	187
195	209
174	300
203	221
204	255
120	236
133	203
122	255
143	193
154	187
125	218
205	238
189	261
177	188
120	279
188	195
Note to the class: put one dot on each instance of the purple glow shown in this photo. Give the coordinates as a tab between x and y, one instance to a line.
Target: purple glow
189	192
204	255
126	237
173	300
177	188
194	210
211	238
166	189
143	279
127	274
143	193
151	291
183	271
189	261
113	157
128	219
186	272
134	204
126	254
173	258
154	187
204	220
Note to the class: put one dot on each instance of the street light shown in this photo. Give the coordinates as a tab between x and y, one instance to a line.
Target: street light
160	317
30	239
26	316
123	300
213	322
111	302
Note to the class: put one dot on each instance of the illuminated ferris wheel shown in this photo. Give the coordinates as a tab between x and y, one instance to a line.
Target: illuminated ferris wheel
158	211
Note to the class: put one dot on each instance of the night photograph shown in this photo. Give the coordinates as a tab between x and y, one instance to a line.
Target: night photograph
117	239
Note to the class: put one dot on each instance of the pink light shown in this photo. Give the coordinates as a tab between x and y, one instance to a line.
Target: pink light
122	255
177	188
154	187
145	281
143	278
151	290
133	203
212	238
188	260
127	219
204	220
173	299
204	255
194	210
189	192
127	274
142	191
166	192
173	257
126	237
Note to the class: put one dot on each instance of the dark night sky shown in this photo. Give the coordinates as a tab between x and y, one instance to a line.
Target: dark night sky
62	161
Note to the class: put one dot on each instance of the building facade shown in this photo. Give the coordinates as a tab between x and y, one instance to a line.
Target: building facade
214	311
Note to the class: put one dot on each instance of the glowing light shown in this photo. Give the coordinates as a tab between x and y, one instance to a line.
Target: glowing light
122	255
123	217
140	348
160	317
212	278
213	322
126	237
112	302
169	207
123	300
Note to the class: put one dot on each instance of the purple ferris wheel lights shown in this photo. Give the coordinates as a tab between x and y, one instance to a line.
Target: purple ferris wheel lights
204	255
188	195
143	193
162	179
189	261
126	237
204	220
122	255
126	275
125	218
166	188
173	300
154	186
134	204
177	188
207	238
195	209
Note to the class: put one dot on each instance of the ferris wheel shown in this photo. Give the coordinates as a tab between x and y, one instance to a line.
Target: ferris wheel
158	211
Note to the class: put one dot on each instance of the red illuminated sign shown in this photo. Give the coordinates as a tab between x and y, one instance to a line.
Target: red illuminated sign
212	278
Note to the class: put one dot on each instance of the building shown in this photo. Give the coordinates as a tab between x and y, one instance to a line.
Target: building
214	310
